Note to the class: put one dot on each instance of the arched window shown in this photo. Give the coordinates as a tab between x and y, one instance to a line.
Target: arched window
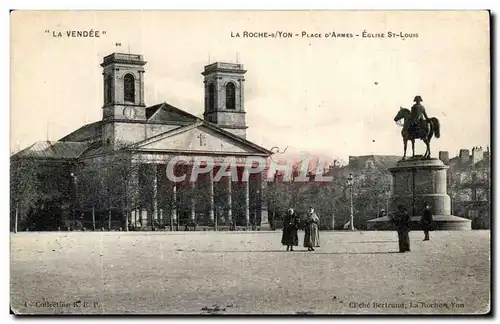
109	89
129	88
230	96
211	97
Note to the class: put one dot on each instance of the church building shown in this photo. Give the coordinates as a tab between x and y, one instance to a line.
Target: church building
155	134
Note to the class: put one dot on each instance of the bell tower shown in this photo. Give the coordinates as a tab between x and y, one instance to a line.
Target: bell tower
224	100
123	87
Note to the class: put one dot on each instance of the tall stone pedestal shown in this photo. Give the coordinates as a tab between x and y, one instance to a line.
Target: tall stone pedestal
264	221
415	182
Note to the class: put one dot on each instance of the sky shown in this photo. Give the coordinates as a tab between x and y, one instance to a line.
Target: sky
326	96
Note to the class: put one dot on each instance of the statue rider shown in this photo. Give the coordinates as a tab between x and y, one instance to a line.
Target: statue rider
418	114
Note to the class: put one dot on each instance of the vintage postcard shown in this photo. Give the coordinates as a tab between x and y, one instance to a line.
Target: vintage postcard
250	162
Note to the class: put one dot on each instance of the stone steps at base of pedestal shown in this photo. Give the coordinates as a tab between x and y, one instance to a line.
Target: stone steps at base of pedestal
440	222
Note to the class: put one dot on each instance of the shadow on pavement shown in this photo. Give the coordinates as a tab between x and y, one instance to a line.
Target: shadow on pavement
375	252
295	251
387	241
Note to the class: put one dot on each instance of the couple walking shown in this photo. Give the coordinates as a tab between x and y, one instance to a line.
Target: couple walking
291	224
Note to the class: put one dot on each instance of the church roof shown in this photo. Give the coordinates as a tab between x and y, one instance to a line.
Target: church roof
85	142
93	150
53	150
160	113
90	132
165	112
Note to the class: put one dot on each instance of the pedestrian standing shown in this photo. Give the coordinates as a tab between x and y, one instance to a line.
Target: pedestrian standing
290	237
426	221
402	221
311	236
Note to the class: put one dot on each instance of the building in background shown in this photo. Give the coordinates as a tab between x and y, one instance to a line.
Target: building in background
370	188
469	183
331	199
151	136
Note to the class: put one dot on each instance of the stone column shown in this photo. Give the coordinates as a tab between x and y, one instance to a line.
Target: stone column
161	193
174	204
246	183
130	218
192	186
154	214
192	200
134	189
262	214
144	217
229	201
211	218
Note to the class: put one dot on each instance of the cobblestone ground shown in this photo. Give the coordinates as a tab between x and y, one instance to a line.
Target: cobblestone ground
230	273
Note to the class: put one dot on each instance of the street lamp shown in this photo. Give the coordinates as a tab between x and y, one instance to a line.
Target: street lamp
258	207
75	185
77	195
350	182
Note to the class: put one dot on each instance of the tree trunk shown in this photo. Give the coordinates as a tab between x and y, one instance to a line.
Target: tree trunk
17	216
215	218
93	218
274	218
109	220
171	221
126	211
126	220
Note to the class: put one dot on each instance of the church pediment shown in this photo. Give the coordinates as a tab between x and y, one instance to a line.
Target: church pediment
200	138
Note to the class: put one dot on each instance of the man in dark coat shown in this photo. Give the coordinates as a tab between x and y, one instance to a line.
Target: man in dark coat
290	237
402	222
426	221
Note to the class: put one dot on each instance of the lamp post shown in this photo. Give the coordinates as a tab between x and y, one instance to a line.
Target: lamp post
76	200
258	207
350	181
75	194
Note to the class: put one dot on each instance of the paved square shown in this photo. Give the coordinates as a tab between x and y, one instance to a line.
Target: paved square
229	273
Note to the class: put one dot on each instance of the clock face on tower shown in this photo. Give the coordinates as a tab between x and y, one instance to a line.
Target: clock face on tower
129	113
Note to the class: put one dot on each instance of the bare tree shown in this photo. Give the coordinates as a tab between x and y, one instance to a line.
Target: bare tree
111	183
24	184
278	196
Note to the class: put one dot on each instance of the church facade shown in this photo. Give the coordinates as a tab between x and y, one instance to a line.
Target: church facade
155	135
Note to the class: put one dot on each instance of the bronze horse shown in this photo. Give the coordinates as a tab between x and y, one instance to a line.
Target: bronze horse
424	131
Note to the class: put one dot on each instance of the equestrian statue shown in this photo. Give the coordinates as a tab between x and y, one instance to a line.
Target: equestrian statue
417	125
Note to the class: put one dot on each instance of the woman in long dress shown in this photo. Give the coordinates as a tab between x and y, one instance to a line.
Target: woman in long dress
311	237
290	227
